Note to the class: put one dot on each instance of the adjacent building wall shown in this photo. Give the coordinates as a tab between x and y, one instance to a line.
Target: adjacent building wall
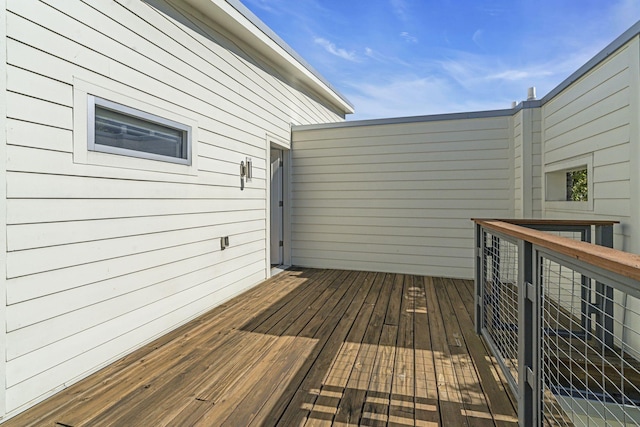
594	122
535	165
397	196
527	146
518	167
107	252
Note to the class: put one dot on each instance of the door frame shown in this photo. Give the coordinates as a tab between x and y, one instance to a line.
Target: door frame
285	146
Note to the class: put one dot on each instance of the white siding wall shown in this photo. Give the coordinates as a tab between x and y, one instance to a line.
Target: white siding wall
595	117
517	164
399	197
536	163
102	259
527	143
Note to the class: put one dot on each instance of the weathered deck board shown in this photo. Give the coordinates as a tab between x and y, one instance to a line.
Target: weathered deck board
309	347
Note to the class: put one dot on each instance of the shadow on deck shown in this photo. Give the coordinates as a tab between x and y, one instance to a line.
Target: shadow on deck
308	347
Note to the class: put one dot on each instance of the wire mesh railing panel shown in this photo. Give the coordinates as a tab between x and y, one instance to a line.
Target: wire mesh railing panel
590	371
500	300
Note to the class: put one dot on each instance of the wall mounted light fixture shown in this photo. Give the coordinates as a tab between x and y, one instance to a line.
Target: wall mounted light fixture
246	169
246	172
249	166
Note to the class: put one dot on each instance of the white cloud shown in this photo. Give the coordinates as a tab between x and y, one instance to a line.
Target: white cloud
332	49
268	5
466	82
303	15
491	10
377	56
479	73
477	36
410	95
519	75
408	37
400	9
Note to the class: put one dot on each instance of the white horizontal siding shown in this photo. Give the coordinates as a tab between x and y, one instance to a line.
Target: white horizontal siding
527	158
32	334
398	197
5	134
593	117
517	162
536	163
103	259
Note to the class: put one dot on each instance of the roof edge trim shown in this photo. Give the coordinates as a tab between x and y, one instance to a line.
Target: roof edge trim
411	119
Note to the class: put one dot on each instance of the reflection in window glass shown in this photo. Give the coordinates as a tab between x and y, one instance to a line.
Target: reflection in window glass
119	130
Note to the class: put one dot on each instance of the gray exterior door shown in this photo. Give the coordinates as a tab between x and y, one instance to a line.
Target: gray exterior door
277	208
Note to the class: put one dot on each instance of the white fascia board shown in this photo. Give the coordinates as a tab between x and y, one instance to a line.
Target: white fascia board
234	17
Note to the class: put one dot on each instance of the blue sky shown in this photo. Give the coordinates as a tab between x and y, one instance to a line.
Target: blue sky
394	58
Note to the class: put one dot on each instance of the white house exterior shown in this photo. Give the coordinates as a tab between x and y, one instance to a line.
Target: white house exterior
105	252
106	248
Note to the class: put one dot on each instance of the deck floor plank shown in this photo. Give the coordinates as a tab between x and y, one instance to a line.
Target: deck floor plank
402	404
378	396
427	412
320	328
473	398
351	403
500	405
283	347
250	346
323	392
306	348
449	392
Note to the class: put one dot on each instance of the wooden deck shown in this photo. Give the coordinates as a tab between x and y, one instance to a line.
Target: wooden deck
308	347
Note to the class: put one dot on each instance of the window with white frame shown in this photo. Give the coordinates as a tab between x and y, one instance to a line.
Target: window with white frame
117	129
568	184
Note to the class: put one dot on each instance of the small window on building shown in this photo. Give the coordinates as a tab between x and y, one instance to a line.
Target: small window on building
577	186
118	129
568	184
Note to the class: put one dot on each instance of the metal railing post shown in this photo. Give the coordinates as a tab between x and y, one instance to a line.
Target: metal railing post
480	274
528	341
495	297
604	294
585	289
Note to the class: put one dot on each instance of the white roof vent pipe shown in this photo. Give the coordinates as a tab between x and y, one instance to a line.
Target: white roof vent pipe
531	94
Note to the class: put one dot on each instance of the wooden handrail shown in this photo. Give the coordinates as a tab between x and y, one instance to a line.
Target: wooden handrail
538	221
623	263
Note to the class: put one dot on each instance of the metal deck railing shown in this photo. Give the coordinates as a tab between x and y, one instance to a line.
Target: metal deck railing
562	318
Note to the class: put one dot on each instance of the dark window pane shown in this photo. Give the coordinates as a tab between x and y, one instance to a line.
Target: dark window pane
119	130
